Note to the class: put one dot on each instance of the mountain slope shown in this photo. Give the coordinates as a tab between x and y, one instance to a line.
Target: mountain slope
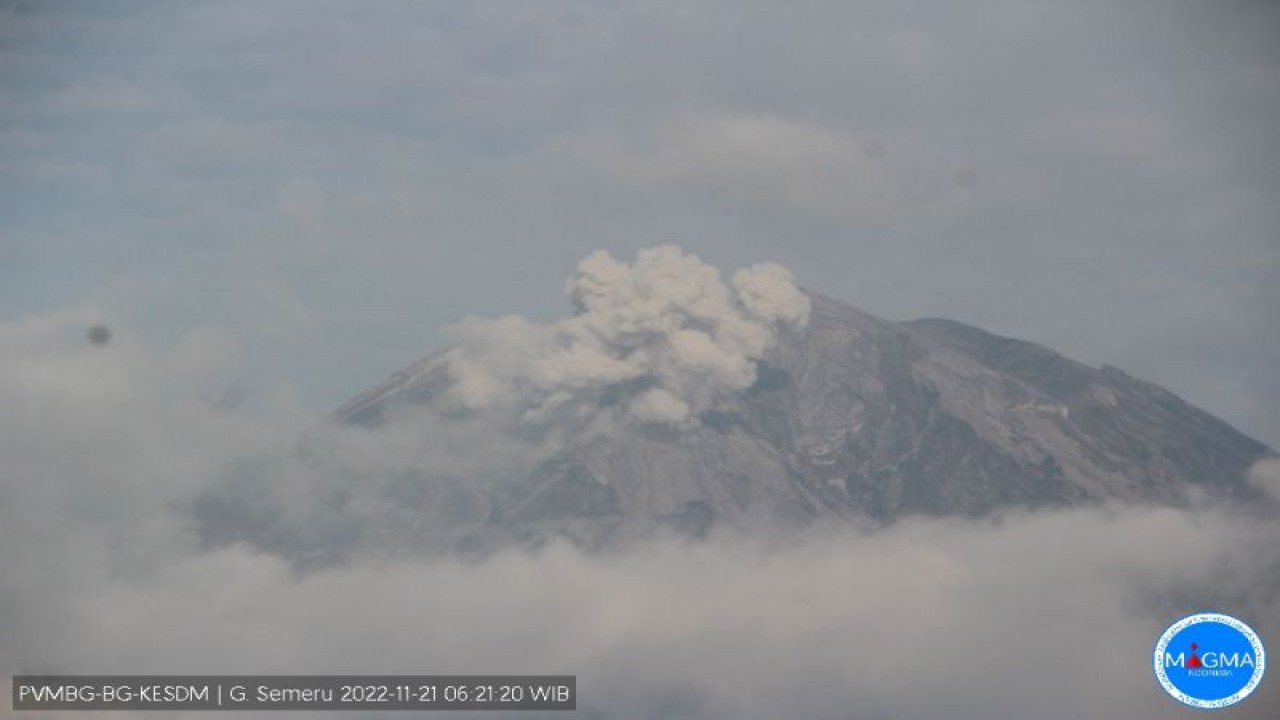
852	416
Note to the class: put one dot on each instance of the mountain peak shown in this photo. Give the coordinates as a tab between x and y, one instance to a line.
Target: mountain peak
852	416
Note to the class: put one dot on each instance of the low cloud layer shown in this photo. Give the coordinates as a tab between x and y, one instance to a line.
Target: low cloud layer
1265	476
1041	616
664	336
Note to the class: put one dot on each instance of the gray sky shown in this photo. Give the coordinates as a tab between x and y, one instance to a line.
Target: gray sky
319	189
275	204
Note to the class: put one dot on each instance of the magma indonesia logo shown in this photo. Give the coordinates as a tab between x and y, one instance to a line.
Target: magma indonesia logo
1209	660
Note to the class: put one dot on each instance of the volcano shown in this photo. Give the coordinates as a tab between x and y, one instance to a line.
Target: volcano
848	417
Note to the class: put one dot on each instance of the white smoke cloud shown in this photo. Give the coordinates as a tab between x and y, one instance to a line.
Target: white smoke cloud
662	337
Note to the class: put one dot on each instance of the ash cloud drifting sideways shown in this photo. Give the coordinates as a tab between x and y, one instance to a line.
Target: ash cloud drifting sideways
664	334
1037	616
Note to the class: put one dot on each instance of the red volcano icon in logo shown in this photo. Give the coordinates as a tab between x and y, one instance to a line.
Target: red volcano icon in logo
1194	661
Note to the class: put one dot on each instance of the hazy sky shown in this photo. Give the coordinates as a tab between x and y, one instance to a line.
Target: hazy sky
275	204
320	188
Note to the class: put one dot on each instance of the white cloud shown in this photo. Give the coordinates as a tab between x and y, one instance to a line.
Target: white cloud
767	160
664	330
1265	476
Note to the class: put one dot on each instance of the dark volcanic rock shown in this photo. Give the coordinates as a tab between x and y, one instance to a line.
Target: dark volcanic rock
858	417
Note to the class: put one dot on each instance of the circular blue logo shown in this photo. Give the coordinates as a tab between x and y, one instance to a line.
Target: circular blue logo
1209	660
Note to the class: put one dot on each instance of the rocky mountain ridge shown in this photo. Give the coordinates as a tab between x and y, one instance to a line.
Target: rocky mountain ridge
850	417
